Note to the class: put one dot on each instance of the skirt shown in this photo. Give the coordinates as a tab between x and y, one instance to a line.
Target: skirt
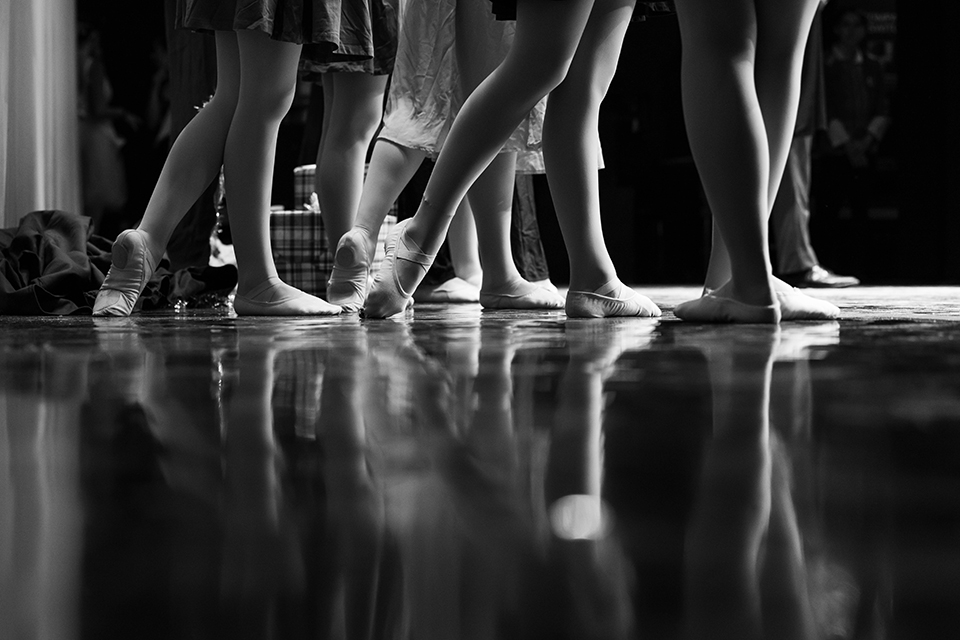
507	9
330	30
383	36
425	94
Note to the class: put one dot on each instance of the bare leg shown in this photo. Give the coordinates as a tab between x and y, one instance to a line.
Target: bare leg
269	70
727	136
464	250
481	45
546	39
571	153
194	160
352	109
391	168
783	27
571	143
197	155
491	198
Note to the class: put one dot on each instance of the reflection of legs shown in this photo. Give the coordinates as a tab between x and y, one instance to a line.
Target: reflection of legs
733	506
546	38
391	168
255	558
269	70
352	108
786	601
356	506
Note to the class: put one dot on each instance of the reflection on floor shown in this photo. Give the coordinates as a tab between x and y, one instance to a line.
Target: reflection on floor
461	474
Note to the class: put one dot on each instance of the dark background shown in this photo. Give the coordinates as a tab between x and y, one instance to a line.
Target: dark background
655	219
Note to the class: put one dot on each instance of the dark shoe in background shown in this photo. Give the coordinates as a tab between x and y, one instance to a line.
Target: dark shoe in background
819	277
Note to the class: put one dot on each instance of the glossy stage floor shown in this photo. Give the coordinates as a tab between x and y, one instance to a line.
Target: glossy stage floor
473	475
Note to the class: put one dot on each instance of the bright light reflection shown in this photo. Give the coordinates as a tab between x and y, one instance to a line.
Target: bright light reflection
579	517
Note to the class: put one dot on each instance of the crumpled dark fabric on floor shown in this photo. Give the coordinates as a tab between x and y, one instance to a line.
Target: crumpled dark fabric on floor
52	264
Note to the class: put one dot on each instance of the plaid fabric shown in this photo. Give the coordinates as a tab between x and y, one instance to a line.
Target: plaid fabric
301	253
306	276
297	236
299	243
298	377
303	184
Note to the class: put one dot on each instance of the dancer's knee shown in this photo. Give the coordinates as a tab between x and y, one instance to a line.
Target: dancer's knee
271	102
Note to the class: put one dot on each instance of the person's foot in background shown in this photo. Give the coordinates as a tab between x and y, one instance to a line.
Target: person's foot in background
819	277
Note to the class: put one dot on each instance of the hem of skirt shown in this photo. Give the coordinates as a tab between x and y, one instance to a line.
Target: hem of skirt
331	50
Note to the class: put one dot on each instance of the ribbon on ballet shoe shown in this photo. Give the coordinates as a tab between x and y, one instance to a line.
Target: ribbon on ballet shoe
388	297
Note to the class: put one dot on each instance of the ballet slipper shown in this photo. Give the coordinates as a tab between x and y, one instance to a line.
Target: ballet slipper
388	297
455	290
600	304
275	298
796	305
546	284
132	267
536	298
347	286
714	308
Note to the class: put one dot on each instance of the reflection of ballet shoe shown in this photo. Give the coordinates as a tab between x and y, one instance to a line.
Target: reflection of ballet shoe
600	304
536	298
347	286
797	340
454	290
796	305
132	267
596	346
389	297
714	308
275	298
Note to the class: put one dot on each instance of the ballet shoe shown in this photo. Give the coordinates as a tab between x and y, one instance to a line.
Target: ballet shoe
132	267
388	296
347	286
594	304
275	298
546	284
796	305
537	298
711	308
454	290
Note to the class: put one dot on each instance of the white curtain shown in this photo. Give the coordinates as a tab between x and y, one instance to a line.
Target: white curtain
39	154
